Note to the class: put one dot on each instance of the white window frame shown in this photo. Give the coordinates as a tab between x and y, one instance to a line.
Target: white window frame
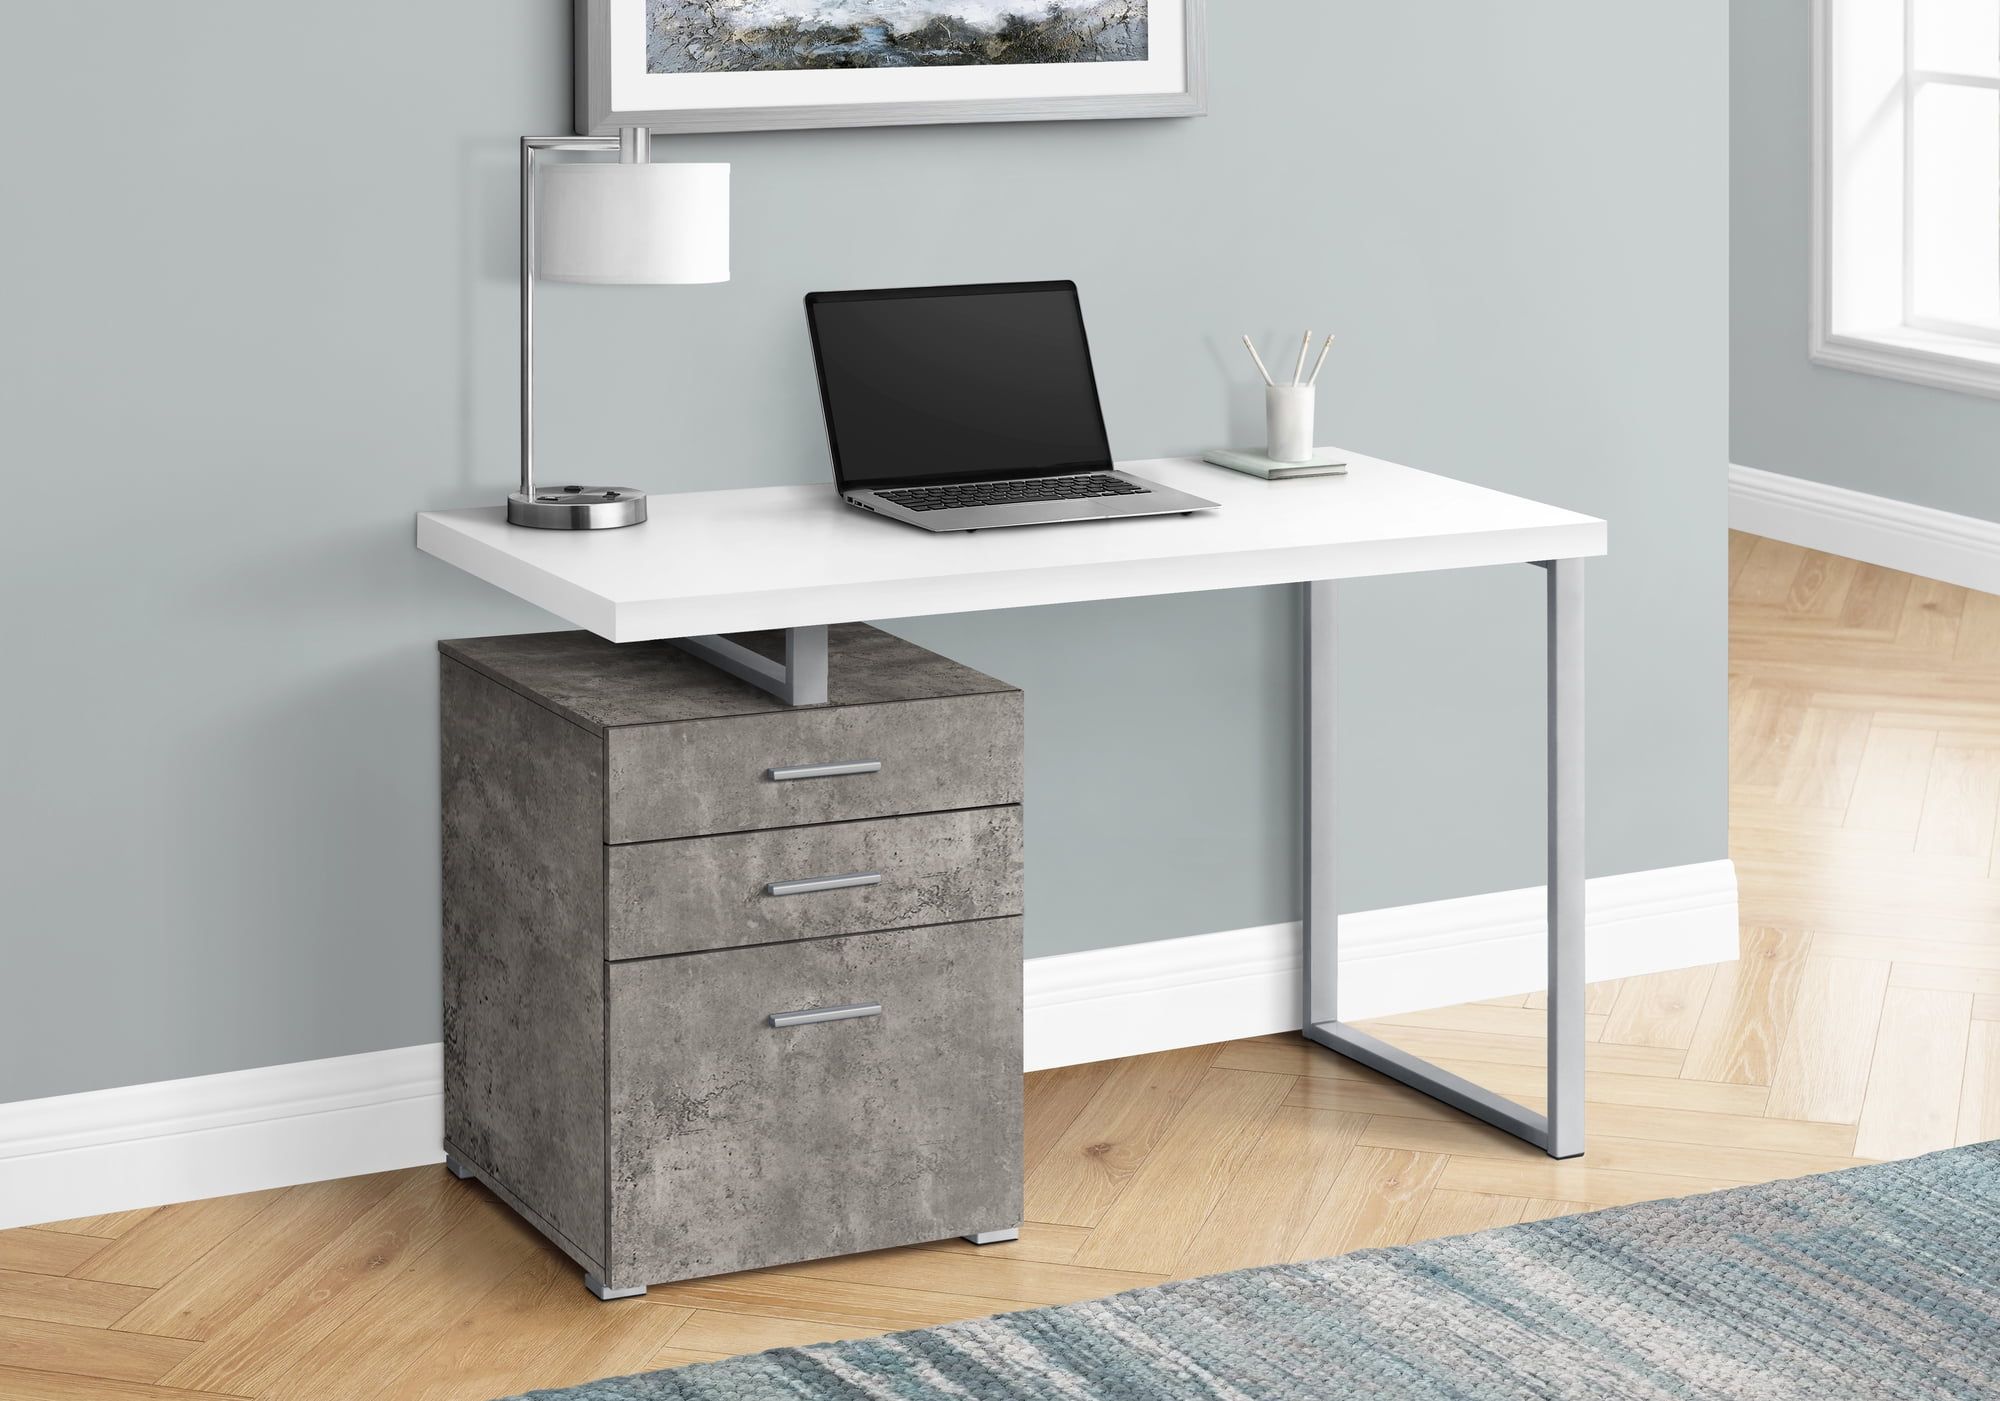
1860	315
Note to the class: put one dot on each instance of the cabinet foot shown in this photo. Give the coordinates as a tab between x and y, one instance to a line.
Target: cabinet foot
456	1168
596	1286
994	1237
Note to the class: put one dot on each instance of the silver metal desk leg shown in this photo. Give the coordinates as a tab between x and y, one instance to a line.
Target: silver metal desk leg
1566	915
1559	1132
1322	830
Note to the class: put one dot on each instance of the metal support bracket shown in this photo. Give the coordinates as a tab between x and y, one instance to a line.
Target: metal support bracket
1559	1131
800	679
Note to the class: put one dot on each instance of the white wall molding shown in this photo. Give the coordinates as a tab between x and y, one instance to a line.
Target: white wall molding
211	1135
1957	549
182	1140
1214	987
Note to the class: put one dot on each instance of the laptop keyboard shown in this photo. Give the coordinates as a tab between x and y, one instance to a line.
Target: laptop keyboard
963	494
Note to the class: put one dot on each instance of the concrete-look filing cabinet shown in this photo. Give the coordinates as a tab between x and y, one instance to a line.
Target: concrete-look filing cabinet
649	864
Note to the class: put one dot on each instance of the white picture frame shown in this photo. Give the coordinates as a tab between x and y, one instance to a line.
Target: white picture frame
614	88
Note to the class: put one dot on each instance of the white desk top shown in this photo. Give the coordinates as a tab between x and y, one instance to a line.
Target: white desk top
793	556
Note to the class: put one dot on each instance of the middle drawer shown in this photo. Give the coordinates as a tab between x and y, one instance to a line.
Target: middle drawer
765	887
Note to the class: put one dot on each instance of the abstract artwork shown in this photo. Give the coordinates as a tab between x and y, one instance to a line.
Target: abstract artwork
746	65
781	36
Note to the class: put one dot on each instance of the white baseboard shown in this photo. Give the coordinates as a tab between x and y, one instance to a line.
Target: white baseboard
1956	549
1216	987
212	1135
182	1140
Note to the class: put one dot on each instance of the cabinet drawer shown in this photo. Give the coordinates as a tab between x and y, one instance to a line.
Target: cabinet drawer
707	776
808	882
736	1143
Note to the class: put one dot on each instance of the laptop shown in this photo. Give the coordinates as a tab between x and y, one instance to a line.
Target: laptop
966	408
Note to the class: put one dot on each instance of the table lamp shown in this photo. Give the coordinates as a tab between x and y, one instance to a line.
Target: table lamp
628	222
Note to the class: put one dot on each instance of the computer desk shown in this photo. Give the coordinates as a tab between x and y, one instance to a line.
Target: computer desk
795	558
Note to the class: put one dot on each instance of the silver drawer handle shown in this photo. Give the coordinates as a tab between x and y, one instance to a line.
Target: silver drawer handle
786	775
827	1014
807	887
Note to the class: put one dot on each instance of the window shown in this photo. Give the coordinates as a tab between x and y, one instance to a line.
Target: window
1906	189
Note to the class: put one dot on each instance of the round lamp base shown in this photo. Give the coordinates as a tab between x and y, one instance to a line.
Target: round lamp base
577	507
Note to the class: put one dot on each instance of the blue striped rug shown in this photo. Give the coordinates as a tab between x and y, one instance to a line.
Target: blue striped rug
1874	1282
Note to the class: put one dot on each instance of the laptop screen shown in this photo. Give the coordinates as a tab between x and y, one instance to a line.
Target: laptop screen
951	383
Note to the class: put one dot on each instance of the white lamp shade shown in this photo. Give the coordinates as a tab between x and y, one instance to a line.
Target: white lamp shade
604	222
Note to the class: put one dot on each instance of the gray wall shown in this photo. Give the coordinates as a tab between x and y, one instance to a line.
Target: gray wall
1908	442
250	349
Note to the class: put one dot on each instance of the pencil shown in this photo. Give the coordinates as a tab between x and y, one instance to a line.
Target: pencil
1305	345
1314	377
1251	347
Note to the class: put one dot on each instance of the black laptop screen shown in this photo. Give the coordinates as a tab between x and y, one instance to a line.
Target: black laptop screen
941	383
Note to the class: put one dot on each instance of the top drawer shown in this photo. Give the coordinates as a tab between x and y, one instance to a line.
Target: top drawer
753	771
690	751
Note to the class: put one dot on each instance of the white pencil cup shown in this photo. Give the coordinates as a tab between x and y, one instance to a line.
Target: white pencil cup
1288	422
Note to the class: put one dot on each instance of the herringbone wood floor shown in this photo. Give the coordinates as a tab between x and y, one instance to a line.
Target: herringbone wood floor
1863	1021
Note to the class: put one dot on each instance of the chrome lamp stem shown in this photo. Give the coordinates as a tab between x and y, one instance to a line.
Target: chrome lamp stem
566	508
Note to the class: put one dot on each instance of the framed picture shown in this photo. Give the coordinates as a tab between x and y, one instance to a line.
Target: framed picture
748	65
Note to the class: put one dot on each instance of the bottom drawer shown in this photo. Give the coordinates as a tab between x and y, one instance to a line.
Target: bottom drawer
736	1143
